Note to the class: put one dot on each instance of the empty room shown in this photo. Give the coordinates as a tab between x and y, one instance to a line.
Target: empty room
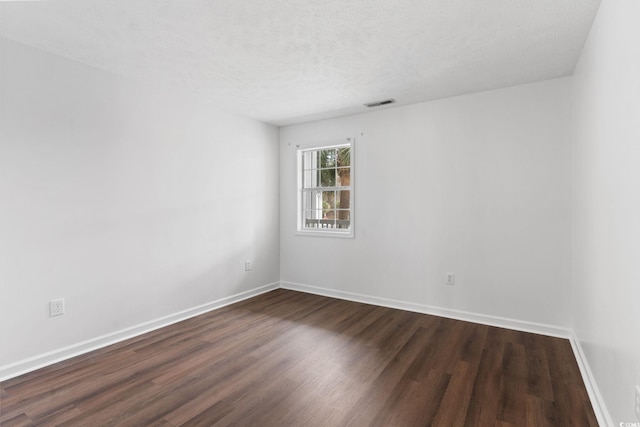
320	213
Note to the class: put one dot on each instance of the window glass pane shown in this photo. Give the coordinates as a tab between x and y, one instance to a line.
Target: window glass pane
328	200
343	178
308	160
309	178
343	219
327	177
306	200
308	219
343	214
329	218
317	200
329	214
313	214
313	219
343	199
343	157
327	158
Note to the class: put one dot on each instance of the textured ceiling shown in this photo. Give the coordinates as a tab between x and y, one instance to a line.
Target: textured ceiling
288	61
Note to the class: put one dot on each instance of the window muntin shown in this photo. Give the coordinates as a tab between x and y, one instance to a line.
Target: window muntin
325	200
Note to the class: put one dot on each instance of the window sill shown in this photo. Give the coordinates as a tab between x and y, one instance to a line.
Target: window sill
325	233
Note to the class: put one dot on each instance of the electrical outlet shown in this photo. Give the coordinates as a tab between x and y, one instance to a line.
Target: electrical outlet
247	265
56	307
638	402
450	279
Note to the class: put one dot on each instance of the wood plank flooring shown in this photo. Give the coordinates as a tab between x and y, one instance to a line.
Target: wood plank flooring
286	358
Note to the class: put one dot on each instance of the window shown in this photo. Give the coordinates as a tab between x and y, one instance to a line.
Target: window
325	196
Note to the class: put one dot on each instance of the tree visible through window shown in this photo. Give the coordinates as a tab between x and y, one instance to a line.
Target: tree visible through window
326	194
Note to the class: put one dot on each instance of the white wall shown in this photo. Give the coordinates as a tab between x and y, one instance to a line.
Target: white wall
606	204
128	201
110	197
478	185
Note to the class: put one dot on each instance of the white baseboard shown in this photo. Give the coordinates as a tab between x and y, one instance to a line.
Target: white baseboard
40	361
597	402
501	322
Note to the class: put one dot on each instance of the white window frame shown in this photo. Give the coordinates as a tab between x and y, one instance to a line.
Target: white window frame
325	232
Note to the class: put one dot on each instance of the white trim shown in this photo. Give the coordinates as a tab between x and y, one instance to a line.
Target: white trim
300	230
325	233
597	402
338	142
40	361
501	322
314	147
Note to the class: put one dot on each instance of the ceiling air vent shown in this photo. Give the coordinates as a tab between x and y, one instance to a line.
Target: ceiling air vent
379	103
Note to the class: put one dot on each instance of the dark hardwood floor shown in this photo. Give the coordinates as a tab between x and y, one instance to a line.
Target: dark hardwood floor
293	359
